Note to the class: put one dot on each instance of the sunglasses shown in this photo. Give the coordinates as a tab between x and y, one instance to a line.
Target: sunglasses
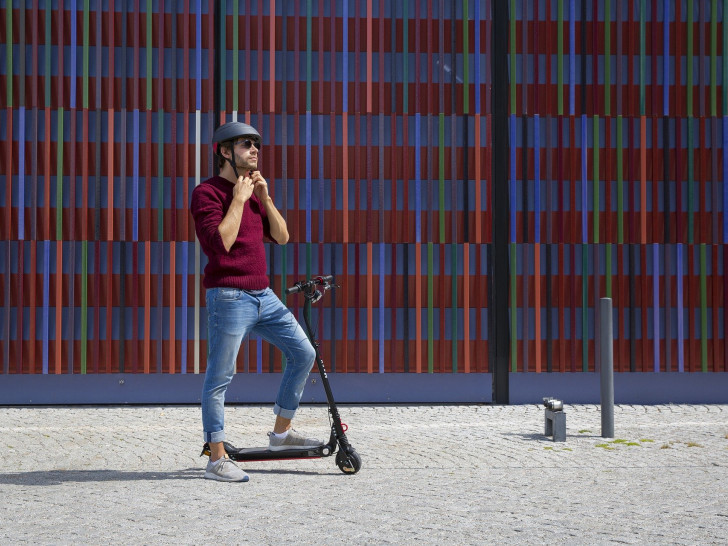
248	143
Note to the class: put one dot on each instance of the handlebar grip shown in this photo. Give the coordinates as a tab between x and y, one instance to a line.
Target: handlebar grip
293	289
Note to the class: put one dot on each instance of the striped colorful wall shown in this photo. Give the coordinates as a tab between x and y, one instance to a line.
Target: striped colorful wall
618	183
377	120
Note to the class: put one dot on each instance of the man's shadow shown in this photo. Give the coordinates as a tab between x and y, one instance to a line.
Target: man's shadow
57	477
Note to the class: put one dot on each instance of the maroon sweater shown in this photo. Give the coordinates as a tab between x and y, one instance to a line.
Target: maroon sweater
244	266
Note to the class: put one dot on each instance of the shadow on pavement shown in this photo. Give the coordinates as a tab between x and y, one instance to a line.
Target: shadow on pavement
57	477
334	472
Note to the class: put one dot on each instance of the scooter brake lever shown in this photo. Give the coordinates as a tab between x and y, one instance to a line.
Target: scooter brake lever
317	295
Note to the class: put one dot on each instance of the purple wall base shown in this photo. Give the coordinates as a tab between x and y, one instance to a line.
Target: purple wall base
525	388
629	388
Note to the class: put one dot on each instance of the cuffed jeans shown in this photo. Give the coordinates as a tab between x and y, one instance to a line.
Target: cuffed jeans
231	315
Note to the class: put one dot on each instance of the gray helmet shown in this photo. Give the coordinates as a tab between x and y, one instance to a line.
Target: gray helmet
230	131
233	130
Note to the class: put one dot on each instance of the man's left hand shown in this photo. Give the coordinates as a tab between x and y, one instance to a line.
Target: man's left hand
260	188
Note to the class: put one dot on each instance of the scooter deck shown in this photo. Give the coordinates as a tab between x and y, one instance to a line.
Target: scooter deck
265	454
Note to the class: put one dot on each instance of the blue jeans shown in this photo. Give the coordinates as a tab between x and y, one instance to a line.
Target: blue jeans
231	315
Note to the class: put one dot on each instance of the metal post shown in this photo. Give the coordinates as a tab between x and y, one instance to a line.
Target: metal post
607	371
500	199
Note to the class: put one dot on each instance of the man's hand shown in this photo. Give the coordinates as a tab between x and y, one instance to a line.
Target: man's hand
260	186
243	189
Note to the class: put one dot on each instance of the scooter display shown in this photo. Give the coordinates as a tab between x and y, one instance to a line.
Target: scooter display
347	458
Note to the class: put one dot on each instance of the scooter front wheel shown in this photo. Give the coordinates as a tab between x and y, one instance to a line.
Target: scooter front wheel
348	462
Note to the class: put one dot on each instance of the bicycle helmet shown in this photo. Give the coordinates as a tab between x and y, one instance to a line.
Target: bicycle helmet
230	131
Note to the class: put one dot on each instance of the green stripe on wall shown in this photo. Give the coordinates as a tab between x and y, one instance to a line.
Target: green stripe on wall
308	260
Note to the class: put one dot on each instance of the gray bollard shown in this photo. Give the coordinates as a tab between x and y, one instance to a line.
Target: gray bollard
607	371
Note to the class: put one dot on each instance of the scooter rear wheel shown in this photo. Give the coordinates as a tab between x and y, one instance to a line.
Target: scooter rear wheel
348	463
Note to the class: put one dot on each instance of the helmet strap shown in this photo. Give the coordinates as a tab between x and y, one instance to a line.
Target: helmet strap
235	169
229	160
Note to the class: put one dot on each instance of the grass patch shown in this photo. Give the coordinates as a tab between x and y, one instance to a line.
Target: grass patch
665	446
619	441
634	444
587	431
646	440
567	449
549	448
693	444
605	446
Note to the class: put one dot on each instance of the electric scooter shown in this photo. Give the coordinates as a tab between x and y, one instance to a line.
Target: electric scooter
347	459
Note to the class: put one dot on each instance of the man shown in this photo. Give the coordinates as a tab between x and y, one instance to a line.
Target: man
233	213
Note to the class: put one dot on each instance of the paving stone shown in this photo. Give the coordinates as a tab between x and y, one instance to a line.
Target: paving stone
467	474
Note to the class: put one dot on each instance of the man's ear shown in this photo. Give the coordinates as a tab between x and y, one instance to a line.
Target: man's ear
226	152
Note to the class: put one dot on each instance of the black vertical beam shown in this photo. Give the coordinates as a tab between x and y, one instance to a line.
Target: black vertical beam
499	200
216	83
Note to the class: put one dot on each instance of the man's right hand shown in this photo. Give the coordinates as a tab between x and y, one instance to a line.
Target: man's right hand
243	188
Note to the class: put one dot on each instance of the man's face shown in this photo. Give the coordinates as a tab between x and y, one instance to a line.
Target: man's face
246	150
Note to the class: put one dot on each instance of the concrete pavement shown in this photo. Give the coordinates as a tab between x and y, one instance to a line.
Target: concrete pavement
431	474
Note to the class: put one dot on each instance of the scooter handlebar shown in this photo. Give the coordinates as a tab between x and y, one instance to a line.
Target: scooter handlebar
324	280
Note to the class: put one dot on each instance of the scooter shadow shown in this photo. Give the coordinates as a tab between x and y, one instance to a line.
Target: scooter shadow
58	477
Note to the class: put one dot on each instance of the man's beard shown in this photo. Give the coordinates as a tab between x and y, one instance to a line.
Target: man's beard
240	163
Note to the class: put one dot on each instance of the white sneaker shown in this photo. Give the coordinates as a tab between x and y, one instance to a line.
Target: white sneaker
225	470
293	440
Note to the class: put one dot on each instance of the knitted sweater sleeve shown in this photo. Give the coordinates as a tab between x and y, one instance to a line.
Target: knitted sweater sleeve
207	212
